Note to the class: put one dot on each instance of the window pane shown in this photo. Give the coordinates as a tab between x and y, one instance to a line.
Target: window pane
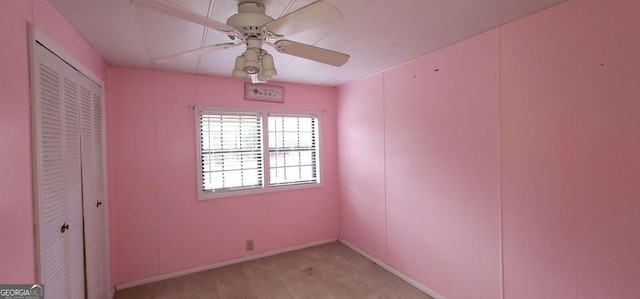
306	173
291	139
306	139
292	158
305	124
232	178
272	139
277	159
277	175
279	141
290	124
292	148
292	174
231	148
306	158
251	177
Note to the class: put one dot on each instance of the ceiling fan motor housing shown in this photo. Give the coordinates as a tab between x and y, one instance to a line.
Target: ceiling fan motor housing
249	19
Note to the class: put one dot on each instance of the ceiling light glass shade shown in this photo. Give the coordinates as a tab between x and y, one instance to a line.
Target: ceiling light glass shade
268	68
238	69
251	64
262	78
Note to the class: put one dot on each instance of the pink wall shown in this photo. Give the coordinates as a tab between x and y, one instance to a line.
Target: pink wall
157	224
361	159
442	169
570	151
437	170
16	203
514	169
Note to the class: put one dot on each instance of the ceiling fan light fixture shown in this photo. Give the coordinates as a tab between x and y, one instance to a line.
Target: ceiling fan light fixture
262	78
238	69
251	64
268	67
249	68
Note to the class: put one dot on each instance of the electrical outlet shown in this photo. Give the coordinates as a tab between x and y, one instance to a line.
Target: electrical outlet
250	245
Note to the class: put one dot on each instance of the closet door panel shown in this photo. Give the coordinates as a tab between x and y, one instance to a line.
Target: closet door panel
73	185
57	174
88	182
91	119
101	272
49	183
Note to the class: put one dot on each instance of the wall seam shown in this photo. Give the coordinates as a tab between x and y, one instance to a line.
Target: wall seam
157	173
499	133
384	170
337	163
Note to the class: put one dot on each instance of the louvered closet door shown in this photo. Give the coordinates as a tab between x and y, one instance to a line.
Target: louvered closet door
93	181
74	206
58	176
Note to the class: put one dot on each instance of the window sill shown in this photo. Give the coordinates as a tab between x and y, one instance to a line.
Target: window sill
257	191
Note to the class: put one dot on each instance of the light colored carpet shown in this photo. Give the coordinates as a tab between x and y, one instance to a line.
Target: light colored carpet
327	271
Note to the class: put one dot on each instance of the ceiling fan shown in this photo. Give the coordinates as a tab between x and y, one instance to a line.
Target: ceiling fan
253	28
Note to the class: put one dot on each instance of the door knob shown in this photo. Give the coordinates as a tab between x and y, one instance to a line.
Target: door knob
98	203
64	227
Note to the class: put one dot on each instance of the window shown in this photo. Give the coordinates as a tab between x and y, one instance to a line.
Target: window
231	152
292	150
232	147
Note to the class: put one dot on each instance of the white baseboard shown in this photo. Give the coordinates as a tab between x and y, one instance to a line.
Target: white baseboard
395	272
218	265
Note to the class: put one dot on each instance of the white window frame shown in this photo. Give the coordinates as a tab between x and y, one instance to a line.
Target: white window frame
266	176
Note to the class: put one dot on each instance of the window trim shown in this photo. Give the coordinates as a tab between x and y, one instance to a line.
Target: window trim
266	175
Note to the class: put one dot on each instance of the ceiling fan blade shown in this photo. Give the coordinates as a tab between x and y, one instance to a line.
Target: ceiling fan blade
314	15
196	52
311	52
181	13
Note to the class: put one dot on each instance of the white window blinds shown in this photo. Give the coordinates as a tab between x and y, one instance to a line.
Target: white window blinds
293	152
255	151
231	151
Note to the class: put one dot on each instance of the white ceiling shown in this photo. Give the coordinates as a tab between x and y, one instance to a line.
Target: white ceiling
378	34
